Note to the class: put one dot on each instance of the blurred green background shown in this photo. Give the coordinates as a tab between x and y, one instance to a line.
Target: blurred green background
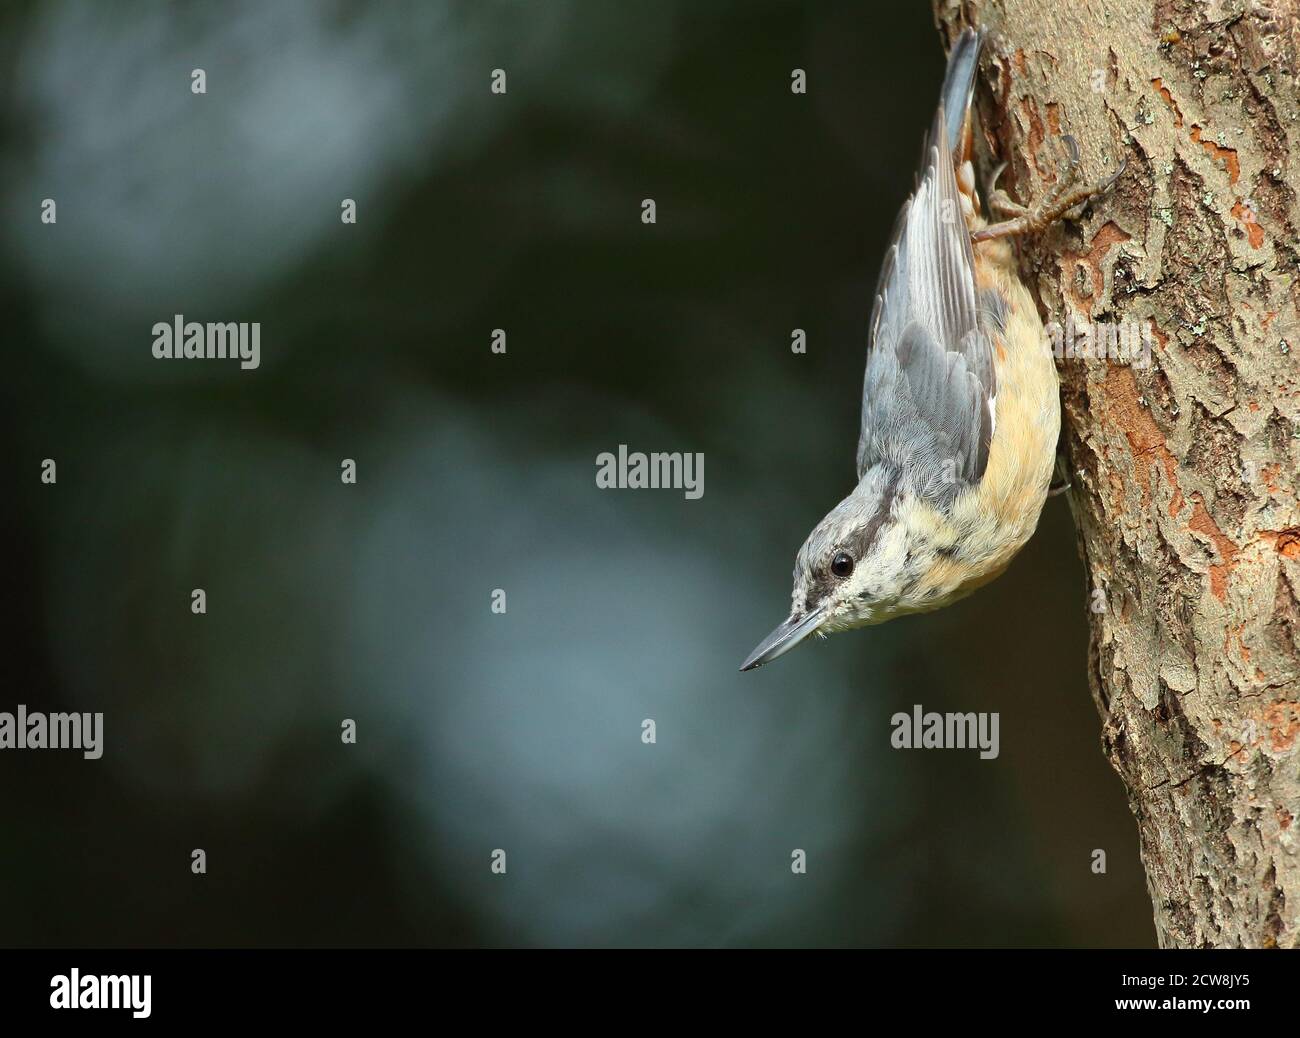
476	472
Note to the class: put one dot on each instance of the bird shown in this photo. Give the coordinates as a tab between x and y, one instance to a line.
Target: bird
961	407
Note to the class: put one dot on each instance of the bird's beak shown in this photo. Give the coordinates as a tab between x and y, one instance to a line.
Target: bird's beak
784	638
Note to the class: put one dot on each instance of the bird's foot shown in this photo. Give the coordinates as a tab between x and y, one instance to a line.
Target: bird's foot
1065	195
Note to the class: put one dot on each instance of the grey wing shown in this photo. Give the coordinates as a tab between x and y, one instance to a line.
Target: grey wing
928	395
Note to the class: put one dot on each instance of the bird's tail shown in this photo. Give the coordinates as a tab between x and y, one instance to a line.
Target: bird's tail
958	85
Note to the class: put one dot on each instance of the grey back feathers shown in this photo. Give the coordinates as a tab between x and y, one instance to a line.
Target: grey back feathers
927	410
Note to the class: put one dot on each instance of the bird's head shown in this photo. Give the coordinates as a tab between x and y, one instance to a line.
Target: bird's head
849	572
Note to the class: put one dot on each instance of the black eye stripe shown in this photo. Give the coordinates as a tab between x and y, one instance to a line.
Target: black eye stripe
861	542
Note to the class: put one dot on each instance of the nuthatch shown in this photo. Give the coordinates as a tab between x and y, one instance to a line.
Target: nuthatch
960	409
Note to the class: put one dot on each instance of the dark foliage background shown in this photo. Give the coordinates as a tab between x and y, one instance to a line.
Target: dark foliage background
476	472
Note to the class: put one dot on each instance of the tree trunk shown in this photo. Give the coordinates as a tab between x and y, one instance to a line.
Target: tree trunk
1185	470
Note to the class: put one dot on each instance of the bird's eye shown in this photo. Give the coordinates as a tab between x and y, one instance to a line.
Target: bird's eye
842	564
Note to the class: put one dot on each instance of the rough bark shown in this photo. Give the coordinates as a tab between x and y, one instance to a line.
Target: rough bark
1185	472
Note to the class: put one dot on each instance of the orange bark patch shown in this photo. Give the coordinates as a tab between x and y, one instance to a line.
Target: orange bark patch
1270	473
1287	542
1163	91
1054	118
1145	440
1246	216
1203	523
1283	721
1227	155
1107	237
1035	123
